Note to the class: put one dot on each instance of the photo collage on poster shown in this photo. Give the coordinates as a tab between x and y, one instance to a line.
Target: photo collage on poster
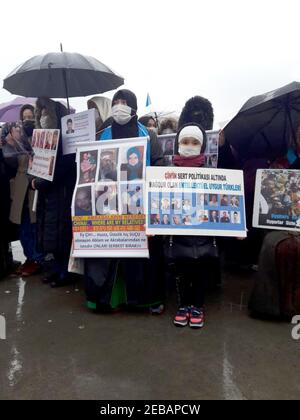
110	181
167	142
207	211
45	146
277	199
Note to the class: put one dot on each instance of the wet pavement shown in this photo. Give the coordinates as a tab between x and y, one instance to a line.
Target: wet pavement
58	349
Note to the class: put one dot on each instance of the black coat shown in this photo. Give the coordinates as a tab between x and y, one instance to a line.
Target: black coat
55	198
143	278
191	247
5	235
54	208
157	158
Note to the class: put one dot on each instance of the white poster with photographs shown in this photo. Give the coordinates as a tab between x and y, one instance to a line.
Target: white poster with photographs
45	146
77	128
167	142
195	201
108	209
277	199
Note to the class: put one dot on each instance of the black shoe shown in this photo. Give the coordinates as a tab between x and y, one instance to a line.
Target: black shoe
66	281
50	278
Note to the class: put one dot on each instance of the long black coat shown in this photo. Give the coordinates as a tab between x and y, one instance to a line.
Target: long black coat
54	208
143	278
5	235
55	198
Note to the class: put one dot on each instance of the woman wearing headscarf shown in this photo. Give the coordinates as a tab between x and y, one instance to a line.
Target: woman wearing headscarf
55	198
102	108
168	126
17	151
133	169
111	282
149	122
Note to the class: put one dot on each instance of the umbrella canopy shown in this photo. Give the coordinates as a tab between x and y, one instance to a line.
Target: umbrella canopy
61	75
10	111
266	124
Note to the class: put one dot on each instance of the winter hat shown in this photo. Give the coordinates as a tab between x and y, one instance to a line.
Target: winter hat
127	96
197	110
191	131
195	128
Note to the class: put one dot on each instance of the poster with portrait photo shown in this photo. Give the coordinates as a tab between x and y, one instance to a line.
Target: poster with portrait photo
42	163
83	202
108	170
176	203
212	149
88	161
155	204
165	203
167	142
77	128
116	228
132	163
202	216
48	140
277	199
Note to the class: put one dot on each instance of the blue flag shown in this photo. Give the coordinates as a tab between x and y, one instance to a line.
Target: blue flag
148	100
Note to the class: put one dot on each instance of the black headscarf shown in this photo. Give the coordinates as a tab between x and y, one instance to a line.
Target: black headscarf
130	129
145	120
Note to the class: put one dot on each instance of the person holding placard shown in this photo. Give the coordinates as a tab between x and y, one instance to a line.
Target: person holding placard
55	198
141	279
192	254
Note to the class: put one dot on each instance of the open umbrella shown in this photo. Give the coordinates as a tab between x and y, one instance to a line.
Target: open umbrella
266	124
10	111
61	75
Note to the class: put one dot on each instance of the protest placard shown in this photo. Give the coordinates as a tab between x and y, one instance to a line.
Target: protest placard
277	199
195	201
45	146
77	128
108	210
167	142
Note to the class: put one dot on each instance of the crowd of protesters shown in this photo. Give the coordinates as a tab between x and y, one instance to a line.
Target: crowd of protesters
110	283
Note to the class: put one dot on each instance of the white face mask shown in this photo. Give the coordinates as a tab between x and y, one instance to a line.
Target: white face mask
167	131
189	151
121	114
45	122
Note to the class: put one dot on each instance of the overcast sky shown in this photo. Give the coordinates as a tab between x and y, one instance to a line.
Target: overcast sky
225	50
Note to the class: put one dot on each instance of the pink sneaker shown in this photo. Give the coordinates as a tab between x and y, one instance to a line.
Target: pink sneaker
196	317
182	316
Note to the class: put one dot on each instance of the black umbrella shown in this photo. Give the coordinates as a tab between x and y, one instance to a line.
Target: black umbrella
267	123
61	75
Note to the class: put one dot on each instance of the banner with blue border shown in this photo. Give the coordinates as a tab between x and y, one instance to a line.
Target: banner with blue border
195	201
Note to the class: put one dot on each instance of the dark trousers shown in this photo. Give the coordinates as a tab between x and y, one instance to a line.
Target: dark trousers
192	281
28	237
